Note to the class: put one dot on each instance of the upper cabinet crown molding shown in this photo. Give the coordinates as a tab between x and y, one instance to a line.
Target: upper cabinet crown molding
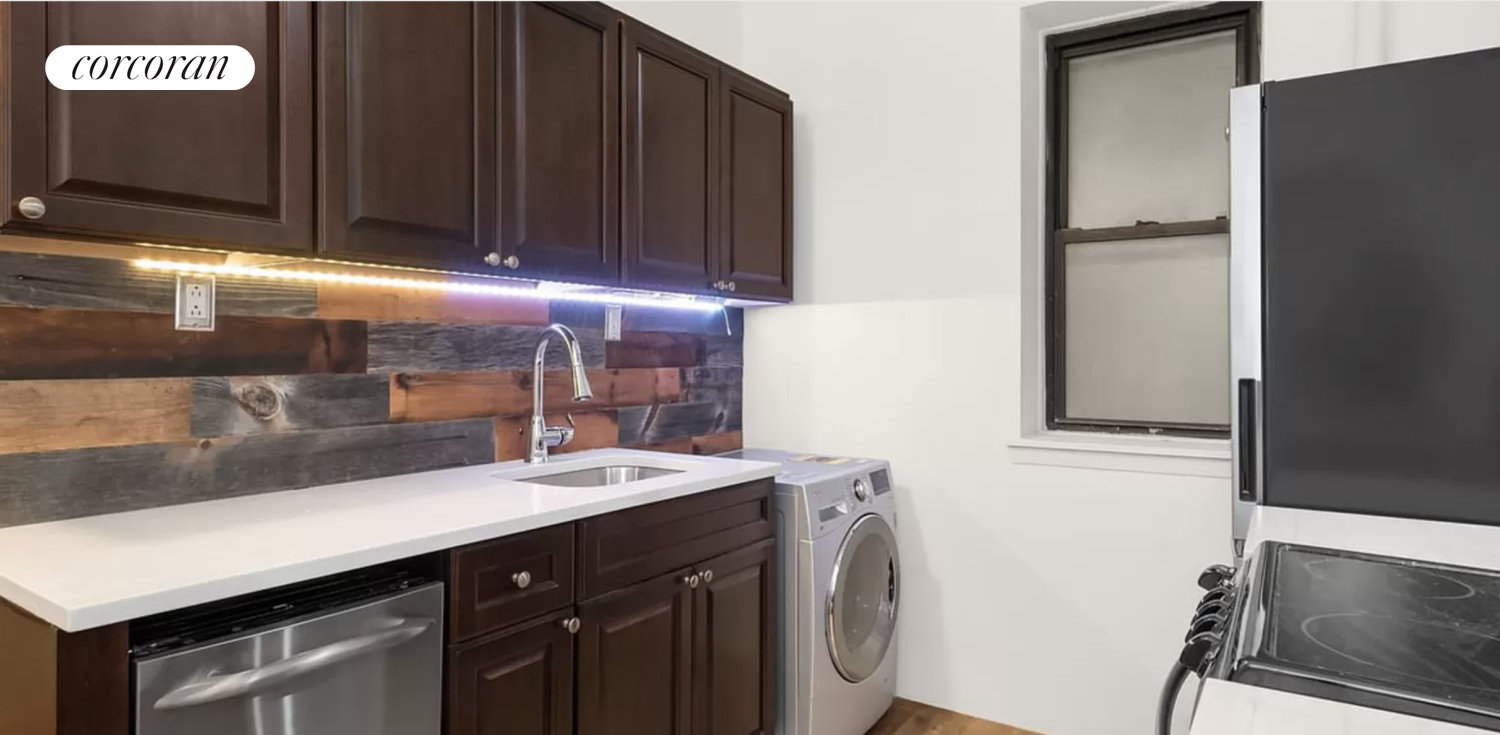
553	141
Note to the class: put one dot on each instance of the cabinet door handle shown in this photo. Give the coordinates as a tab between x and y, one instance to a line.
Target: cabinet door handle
708	576
522	579
730	286
512	262
692	580
31	207
571	625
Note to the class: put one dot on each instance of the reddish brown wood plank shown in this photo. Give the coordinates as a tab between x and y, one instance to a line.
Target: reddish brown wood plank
655	349
593	430
437	396
348	301
718	443
43	415
66	343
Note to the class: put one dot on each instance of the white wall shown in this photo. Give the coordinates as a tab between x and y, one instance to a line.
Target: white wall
714	27
1043	597
1051	598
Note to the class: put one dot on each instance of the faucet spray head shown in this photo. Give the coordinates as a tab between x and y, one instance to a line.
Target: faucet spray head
581	390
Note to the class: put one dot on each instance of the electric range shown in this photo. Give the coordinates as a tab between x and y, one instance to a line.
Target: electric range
1394	634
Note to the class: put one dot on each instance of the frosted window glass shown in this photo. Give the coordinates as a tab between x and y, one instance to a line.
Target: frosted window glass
1146	133
1147	325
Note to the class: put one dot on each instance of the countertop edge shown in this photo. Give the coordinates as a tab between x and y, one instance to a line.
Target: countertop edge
86	617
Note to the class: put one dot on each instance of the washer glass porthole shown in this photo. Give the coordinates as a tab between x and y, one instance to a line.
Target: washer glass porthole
863	597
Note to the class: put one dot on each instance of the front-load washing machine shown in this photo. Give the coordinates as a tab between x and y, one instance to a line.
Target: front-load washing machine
840	574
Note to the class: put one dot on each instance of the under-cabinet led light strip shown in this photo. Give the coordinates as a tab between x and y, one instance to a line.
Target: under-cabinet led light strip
663	301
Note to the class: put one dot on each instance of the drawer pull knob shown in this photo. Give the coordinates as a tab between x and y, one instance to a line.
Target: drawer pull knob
692	580
708	576
571	624
522	579
31	208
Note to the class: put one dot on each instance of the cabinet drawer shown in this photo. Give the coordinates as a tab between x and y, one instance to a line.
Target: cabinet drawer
634	545
505	581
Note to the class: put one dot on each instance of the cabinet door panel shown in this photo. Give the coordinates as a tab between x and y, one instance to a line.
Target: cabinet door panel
734	639
672	163
757	204
634	660
407	123
559	140
219	167
516	682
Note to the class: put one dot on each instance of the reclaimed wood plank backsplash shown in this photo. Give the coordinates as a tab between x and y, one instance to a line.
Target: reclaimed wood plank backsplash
104	407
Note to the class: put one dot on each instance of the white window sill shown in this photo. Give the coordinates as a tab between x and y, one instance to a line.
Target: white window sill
1167	455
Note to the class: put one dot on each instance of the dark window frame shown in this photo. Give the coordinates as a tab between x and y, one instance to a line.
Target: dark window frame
1241	17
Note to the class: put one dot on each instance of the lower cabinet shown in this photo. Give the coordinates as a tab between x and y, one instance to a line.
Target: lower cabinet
671	631
734	623
515	682
635	659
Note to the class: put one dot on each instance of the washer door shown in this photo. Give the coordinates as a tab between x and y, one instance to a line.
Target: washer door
862	598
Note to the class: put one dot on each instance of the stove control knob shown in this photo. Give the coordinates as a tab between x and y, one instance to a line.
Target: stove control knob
1212	607
1217	575
1196	655
1206	624
1218	593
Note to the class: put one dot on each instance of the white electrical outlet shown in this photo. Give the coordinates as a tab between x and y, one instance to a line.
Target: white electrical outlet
613	314
195	303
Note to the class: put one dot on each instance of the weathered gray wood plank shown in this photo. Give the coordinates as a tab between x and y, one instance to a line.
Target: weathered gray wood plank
51	486
722	351
411	346
724	386
67	282
669	421
255	405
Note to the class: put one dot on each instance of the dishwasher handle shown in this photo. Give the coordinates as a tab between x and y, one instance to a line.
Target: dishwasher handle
254	681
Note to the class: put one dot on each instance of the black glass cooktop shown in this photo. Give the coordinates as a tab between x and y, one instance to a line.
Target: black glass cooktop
1412	637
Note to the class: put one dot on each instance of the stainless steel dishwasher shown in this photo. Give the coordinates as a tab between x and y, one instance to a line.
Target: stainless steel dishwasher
357	655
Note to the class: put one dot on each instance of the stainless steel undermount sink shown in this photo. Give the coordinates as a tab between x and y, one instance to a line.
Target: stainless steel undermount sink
601	476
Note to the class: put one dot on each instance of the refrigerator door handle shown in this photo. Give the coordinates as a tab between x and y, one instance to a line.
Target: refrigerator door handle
1245	439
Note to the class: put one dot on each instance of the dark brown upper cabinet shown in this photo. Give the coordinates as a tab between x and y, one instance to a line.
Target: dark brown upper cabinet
407	132
228	169
755	247
515	682
559	71
671	163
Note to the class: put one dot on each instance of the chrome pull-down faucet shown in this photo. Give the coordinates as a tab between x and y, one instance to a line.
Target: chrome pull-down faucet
542	437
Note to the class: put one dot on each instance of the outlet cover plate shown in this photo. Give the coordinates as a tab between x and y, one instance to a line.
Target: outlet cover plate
195	303
613	316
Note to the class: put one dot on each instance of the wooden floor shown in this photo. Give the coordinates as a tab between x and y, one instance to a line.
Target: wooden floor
912	718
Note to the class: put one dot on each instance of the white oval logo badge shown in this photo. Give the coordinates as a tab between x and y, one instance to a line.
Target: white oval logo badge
150	67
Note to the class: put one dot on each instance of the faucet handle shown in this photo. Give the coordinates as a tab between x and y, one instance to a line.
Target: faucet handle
570	420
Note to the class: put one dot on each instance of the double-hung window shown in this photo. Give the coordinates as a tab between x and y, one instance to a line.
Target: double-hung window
1138	220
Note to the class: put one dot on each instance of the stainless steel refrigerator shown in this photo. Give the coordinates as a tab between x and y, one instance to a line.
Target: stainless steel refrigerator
1365	292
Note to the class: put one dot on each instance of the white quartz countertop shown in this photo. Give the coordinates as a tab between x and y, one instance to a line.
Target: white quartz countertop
87	572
